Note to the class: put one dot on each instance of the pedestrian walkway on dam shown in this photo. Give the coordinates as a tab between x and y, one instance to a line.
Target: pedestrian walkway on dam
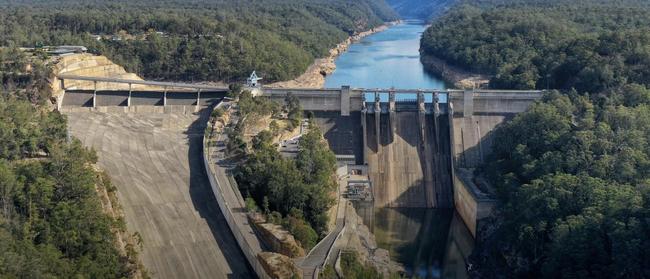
155	161
117	98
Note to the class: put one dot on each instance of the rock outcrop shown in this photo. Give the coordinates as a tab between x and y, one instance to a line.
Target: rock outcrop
278	266
357	237
275	237
458	77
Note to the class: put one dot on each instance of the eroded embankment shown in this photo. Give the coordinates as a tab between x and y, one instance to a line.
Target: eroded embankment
154	160
314	76
456	76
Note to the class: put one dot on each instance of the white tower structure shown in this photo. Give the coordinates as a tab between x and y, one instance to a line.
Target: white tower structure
252	81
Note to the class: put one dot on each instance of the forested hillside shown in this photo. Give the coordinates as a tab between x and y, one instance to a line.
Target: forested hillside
52	223
421	9
294	192
589	46
570	174
197	39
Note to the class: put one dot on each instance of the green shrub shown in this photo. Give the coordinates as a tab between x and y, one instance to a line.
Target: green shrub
250	205
217	113
301	231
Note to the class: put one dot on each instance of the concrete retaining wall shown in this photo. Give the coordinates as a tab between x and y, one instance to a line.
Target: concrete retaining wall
473	116
473	138
481	102
469	205
344	134
476	114
247	248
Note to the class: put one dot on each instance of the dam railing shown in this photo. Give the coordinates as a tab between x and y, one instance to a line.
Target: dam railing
64	77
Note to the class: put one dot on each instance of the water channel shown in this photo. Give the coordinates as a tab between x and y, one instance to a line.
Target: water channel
429	243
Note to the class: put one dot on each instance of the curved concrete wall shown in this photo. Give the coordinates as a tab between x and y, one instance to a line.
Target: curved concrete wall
154	159
249	245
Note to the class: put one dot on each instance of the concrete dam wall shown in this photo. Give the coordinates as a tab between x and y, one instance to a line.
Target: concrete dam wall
344	134
408	159
120	98
419	154
154	160
474	117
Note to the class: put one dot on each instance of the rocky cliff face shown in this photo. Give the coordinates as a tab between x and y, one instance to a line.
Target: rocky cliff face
356	236
85	64
275	237
279	266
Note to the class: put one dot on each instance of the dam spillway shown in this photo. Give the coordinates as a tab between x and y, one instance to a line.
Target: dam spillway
407	151
154	159
410	147
124	98
408	159
413	147
454	140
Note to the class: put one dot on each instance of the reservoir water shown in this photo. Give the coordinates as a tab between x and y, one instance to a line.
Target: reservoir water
429	243
386	59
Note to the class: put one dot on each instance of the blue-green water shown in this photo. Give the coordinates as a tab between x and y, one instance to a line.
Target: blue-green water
386	59
429	243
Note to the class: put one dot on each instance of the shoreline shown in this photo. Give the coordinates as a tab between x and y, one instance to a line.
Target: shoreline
314	76
458	77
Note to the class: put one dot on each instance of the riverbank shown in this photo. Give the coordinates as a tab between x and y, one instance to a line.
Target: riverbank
315	75
457	76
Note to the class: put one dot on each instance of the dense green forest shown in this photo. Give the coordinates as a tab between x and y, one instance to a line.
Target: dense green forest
570	174
52	224
573	188
293	192
195	40
556	44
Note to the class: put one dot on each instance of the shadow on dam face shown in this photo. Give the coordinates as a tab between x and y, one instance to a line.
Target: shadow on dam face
155	161
344	134
408	154
409	159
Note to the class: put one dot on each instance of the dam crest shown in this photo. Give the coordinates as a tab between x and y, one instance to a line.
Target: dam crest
420	146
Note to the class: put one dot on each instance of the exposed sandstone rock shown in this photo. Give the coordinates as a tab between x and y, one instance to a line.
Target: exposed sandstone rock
358	237
276	237
278	266
458	77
